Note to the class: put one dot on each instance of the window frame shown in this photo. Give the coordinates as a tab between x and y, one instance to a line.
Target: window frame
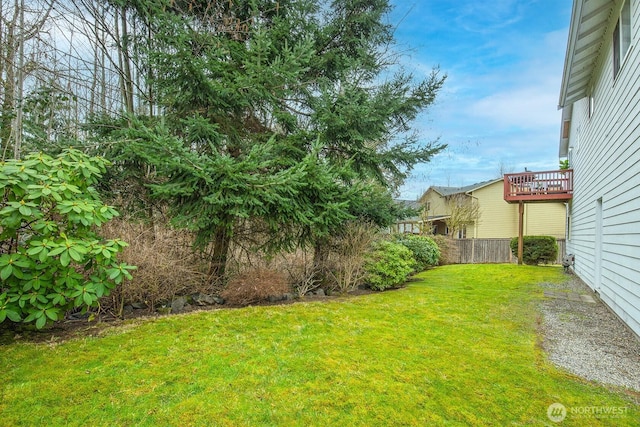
621	38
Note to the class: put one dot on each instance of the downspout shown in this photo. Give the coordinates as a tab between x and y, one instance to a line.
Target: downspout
475	229
477	220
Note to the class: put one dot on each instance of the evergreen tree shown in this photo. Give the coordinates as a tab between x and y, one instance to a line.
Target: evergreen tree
282	112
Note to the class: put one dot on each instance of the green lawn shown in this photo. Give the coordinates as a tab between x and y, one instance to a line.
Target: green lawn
456	347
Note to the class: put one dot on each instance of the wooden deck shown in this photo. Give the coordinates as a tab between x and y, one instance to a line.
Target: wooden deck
545	186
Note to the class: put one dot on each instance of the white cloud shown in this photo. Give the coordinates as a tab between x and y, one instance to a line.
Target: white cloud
523	108
499	103
489	16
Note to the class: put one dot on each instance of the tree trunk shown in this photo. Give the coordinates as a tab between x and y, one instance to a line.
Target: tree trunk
124	66
8	104
320	260
219	255
17	145
126	70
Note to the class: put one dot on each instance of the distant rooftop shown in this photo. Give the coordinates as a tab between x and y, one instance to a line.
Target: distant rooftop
448	191
413	204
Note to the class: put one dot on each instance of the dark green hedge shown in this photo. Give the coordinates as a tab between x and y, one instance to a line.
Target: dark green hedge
536	249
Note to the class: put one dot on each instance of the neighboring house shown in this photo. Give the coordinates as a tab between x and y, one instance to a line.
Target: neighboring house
496	218
412	225
600	135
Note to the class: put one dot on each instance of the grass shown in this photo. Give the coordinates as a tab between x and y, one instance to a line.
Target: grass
457	347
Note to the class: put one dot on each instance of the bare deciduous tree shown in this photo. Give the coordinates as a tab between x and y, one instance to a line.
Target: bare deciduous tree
348	249
463	210
503	168
19	24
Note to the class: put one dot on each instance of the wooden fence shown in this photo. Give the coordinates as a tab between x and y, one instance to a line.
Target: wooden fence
487	251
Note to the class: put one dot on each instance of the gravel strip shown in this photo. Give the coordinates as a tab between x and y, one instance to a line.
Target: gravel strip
582	336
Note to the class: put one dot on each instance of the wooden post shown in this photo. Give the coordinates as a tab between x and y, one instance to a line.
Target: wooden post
473	251
520	231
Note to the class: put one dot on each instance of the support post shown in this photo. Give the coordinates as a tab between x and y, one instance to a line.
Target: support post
520	231
473	251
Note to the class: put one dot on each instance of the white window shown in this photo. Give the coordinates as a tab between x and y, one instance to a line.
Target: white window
621	37
462	233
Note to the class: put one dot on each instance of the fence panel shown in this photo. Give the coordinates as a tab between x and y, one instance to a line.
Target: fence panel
489	251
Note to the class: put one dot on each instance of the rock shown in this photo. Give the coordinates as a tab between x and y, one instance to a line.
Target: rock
320	292
203	299
80	315
178	304
276	298
288	297
127	309
218	300
138	305
198	299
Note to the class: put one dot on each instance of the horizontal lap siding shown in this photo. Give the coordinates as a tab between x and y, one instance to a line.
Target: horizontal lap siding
606	162
545	219
499	219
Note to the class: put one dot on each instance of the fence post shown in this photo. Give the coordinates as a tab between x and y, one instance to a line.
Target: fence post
473	251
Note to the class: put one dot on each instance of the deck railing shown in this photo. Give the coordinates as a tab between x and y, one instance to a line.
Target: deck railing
538	186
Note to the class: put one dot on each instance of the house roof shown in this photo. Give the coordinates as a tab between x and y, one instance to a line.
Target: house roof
448	191
587	32
438	217
413	204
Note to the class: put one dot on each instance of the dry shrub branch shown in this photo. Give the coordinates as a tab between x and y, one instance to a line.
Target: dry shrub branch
347	257
254	286
167	265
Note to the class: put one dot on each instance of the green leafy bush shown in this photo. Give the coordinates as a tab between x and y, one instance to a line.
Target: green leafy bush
388	265
51	260
448	250
425	250
536	249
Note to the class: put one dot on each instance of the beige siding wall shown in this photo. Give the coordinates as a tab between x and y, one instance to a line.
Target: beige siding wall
436	202
545	219
499	219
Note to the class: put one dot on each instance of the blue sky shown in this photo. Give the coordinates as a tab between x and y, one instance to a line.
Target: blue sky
498	108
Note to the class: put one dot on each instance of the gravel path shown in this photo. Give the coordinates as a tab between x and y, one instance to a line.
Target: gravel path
582	336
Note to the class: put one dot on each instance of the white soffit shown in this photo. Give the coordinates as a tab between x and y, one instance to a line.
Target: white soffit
589	22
